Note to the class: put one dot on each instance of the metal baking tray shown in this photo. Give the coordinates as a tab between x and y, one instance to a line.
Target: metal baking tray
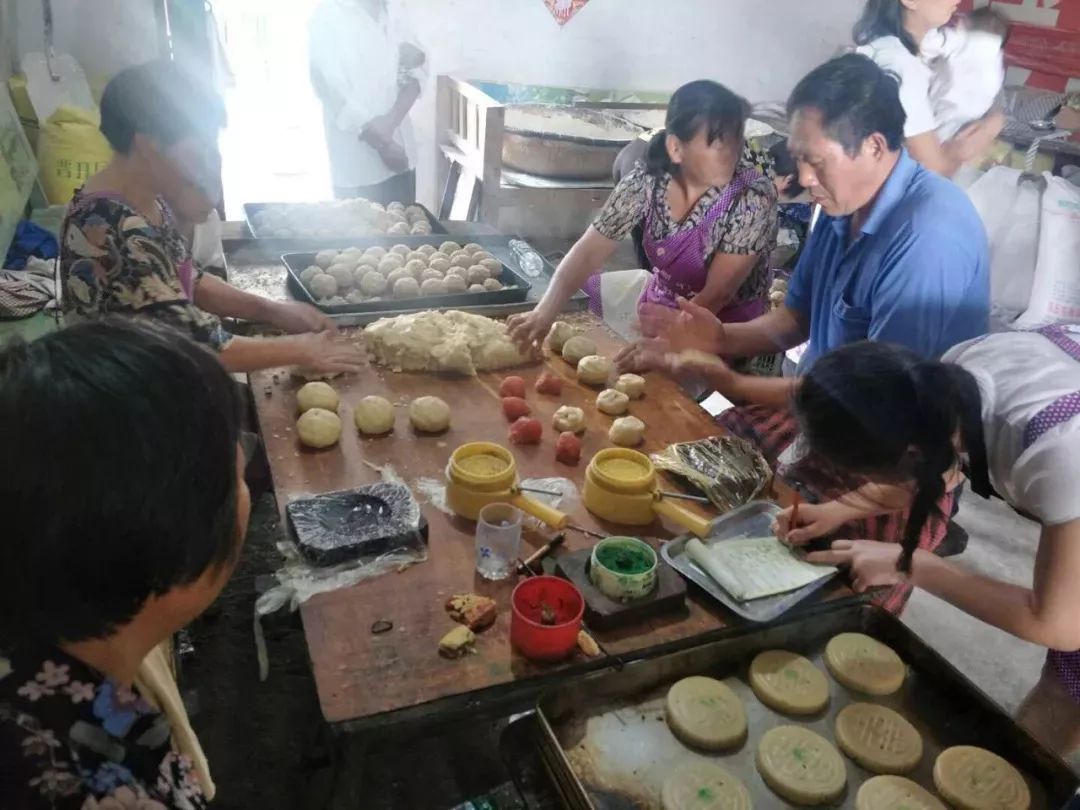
251	209
606	743
515	286
752	520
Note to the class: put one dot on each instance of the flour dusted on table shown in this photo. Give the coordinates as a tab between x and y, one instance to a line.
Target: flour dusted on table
451	341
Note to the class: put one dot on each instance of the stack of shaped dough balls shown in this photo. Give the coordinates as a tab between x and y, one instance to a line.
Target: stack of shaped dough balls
788	683
576	348
429	415
318	428
878	739
705	713
700	785
570	419
374	416
627	431
594	370
612	402
632	385
801	766
894	793
354	276
864	664
317	395
560	333
975	779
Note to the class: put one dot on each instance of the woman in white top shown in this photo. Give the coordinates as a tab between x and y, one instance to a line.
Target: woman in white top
1004	410
896	34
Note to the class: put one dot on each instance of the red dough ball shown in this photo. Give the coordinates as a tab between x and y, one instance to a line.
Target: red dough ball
549	383
526	431
568	449
515	408
512	387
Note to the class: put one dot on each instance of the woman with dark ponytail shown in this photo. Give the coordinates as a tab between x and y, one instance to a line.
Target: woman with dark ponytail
707	219
1002	411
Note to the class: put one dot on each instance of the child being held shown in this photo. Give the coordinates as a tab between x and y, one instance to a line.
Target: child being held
969	71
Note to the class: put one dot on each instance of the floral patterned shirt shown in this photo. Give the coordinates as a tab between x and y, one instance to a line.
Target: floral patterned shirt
750	226
72	739
114	262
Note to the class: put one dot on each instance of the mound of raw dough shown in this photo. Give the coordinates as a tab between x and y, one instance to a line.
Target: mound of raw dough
442	341
878	739
632	385
569	419
317	395
576	348
627	431
893	792
801	766
612	402
318	428
705	713
594	370
700	785
788	683
976	779
374	416
864	664
429	415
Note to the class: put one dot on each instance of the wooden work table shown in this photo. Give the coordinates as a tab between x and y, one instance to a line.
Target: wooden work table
362	678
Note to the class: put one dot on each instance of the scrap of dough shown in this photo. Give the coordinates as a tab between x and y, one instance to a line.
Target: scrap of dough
705	713
751	568
576	348
561	332
788	683
374	416
451	341
878	739
633	385
627	431
864	664
457	642
895	793
700	785
569	419
317	395
612	402
973	778
318	428
429	414
801	766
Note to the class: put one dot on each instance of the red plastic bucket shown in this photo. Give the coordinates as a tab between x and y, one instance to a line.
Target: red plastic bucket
529	635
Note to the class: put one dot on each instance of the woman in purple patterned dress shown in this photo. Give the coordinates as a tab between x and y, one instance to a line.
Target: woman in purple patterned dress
1002	410
709	219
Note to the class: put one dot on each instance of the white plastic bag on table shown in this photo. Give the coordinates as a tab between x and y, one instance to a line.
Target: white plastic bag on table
206	248
1010	213
1055	295
620	291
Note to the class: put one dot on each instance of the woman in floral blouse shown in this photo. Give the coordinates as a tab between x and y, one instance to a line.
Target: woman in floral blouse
125	510
708	218
122	252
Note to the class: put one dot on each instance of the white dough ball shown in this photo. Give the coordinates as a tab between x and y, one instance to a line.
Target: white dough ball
420	229
373	284
399	229
427	250
569	418
429	415
324	258
406	288
323	286
463	260
309	272
318	428
368	261
376	251
343	276
395	206
633	385
576	348
482	256
593	370
396	276
472	248
442	265
493	266
401	250
492	284
477	275
433	286
612	402
317	395
449	247
416	267
390	262
374	416
430	274
455	284
627	431
476	288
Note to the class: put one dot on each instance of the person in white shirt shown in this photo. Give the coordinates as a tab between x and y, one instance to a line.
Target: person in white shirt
366	70
903	36
1002	410
970	72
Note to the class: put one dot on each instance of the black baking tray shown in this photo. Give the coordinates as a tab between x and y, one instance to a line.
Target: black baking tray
946	708
251	209
515	286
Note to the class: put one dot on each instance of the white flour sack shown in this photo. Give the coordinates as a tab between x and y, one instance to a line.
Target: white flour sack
1055	295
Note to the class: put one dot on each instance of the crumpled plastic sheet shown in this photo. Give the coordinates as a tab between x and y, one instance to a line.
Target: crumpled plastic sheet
728	469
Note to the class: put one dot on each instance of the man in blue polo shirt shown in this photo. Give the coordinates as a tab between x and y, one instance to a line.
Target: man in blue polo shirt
899	254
